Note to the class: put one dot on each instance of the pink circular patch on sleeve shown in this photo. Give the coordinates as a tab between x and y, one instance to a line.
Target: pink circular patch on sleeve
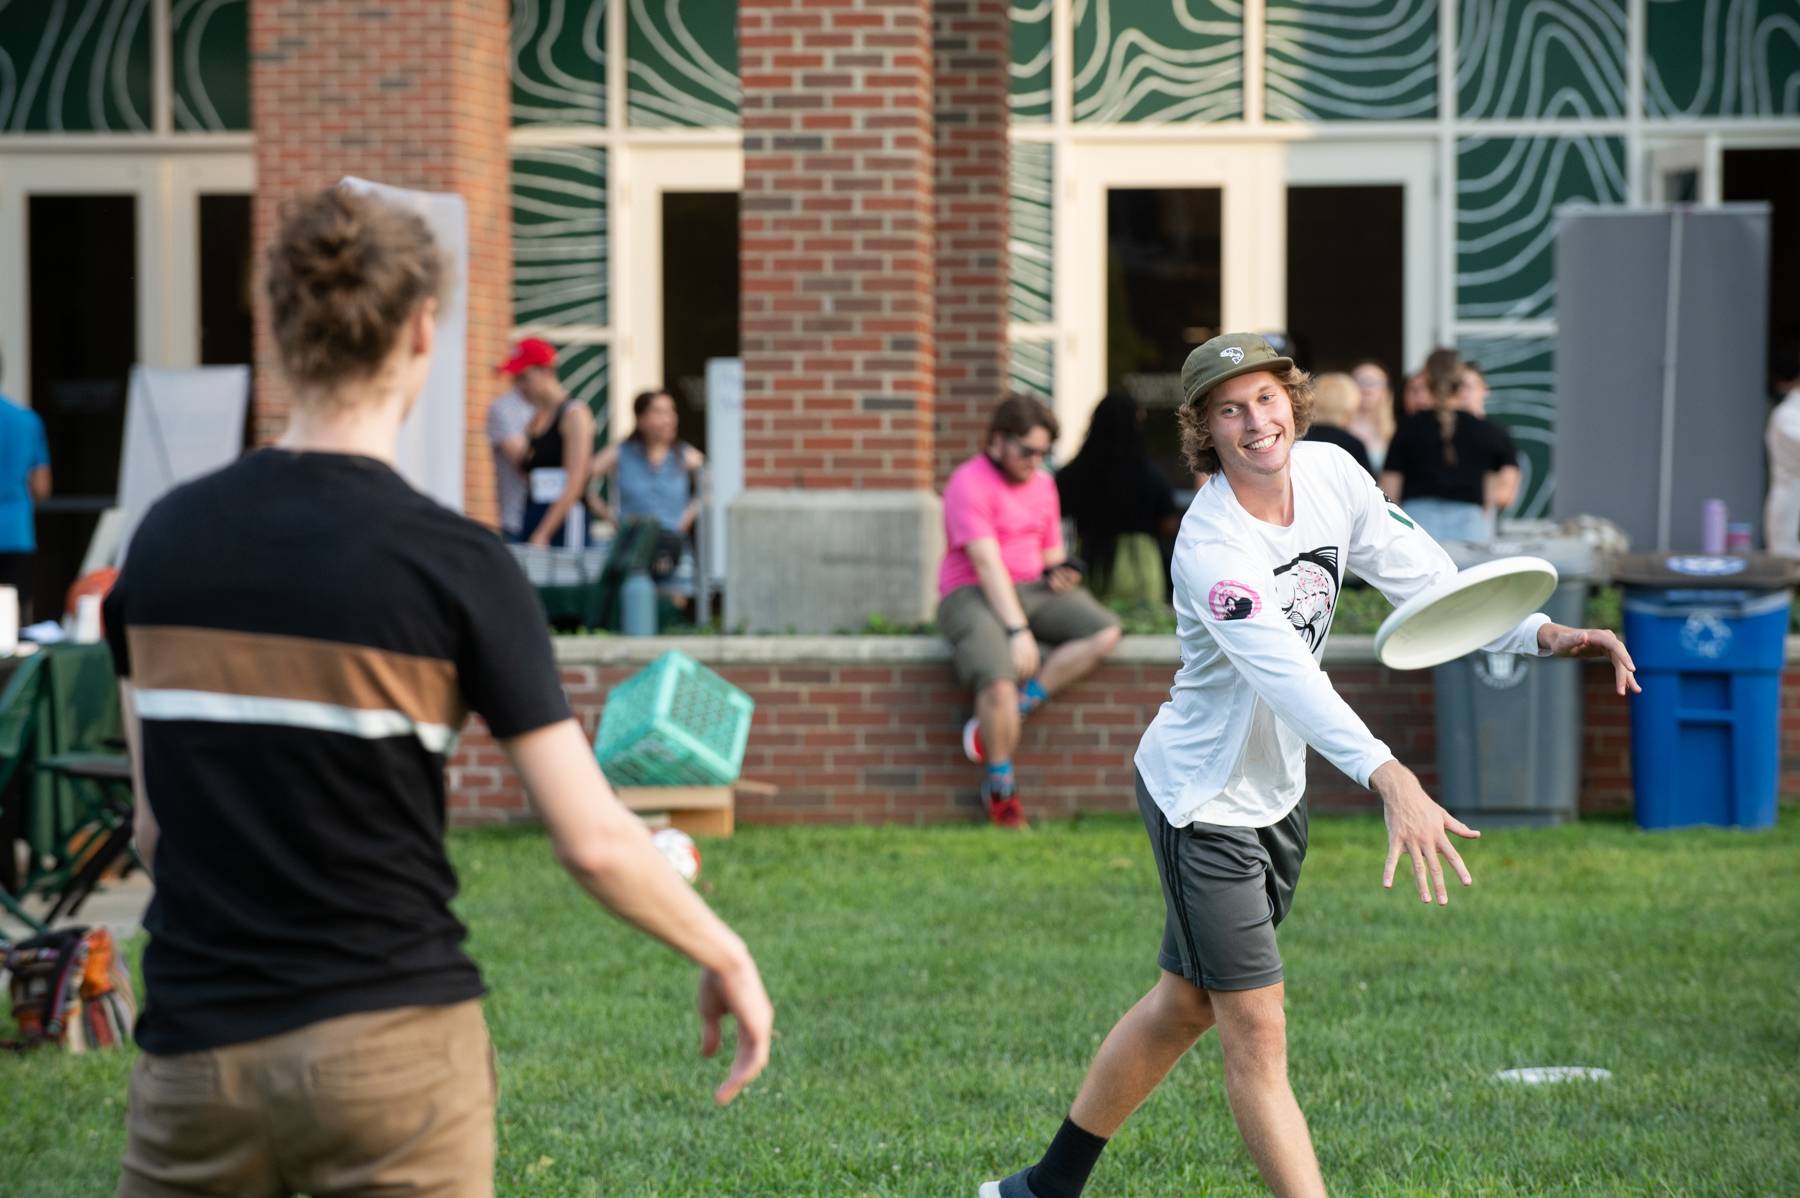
1231	600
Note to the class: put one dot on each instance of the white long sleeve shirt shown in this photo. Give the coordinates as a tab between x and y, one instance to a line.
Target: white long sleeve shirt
1253	606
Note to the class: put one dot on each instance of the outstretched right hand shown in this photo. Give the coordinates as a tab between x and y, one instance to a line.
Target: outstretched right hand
1416	826
738	992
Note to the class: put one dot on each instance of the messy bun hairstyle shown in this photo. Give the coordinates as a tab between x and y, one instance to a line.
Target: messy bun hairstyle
346	272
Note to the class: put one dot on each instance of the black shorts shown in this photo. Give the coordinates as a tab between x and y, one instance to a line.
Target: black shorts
1225	890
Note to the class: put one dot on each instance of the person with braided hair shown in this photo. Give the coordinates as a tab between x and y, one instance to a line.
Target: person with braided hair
1441	461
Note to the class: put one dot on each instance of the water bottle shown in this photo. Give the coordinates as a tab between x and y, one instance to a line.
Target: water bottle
637	605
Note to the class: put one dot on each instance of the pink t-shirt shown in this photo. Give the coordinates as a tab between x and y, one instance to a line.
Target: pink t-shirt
980	501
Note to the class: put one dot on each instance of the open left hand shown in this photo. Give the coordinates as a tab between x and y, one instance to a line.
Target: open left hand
1562	641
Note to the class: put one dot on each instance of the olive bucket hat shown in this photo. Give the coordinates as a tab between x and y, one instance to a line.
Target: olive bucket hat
1225	357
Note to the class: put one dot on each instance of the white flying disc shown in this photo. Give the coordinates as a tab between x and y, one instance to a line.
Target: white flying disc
1464	612
1549	1075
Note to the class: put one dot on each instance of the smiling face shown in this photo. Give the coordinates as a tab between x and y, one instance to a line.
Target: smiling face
1251	422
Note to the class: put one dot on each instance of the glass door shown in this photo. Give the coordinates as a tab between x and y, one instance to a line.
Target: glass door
1166	246
119	254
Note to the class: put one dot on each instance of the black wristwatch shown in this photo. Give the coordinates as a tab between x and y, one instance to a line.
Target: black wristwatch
1012	632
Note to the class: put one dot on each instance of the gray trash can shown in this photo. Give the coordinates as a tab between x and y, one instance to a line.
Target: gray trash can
1509	727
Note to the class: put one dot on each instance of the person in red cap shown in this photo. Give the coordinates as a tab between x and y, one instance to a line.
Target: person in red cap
508	418
558	445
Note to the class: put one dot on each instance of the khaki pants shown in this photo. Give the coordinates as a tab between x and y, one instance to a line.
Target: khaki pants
393	1103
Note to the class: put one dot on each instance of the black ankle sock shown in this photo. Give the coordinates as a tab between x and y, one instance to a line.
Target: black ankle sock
1066	1164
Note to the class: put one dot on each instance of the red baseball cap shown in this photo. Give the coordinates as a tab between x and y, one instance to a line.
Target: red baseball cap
528	353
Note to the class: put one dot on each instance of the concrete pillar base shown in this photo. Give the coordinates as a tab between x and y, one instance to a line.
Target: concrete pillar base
826	560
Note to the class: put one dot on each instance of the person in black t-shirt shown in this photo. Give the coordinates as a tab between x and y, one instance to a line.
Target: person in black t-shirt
1441	465
300	636
1336	402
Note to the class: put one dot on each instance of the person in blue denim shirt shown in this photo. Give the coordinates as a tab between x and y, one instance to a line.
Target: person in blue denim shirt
24	483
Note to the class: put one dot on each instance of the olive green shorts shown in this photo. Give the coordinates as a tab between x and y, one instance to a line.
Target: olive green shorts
978	639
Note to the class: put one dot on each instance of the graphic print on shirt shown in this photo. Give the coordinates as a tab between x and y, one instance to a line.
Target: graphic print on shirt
1307	590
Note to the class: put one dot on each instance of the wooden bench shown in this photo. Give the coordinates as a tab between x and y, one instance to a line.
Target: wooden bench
696	810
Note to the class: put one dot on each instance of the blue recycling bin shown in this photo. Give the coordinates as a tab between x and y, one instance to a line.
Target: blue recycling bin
1705	733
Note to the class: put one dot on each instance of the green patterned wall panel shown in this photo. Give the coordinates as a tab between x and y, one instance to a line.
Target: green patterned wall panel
1351	60
1508	190
1031	55
1538	61
559	235
211	65
1521	376
1722	58
1031	368
681	60
75	66
1031	274
558	62
585	371
1158	60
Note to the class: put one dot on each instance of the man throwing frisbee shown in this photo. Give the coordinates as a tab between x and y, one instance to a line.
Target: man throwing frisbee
1221	771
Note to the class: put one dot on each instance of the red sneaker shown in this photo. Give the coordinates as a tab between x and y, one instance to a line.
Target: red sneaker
1007	812
972	745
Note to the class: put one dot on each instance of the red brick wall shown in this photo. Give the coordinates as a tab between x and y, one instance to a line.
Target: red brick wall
409	92
836	245
973	52
874	743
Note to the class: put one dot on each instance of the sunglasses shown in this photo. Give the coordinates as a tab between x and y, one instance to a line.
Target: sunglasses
1026	451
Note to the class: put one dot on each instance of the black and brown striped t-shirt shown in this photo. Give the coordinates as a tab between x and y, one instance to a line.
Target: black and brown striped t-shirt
305	633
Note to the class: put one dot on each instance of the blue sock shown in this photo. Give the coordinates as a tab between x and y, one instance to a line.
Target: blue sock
1032	696
999	779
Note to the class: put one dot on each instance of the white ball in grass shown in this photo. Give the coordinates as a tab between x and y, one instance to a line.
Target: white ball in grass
679	850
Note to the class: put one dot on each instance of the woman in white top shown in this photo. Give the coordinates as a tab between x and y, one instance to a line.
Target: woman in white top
1781	516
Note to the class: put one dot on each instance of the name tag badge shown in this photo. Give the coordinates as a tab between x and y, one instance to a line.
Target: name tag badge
548	483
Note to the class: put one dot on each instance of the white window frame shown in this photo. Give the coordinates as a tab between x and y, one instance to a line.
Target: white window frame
167	188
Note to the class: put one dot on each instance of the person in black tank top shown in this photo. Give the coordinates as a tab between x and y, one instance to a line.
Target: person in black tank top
556	462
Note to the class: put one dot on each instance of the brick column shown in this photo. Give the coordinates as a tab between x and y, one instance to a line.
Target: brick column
413	93
838	519
973	43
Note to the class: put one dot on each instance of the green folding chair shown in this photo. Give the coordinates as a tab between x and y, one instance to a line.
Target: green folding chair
20	709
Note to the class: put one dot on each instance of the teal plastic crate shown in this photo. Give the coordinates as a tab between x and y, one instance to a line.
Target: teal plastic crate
674	723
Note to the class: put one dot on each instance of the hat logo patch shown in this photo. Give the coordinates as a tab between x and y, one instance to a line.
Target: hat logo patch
1234	353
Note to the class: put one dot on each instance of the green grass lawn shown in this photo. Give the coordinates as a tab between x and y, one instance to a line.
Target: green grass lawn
939	993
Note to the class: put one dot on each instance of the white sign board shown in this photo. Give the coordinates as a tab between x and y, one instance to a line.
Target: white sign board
180	423
430	453
724	453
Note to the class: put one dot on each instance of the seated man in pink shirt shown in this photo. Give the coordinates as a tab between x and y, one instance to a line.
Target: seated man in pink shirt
1005	585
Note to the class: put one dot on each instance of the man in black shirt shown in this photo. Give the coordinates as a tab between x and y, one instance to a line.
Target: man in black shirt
301	635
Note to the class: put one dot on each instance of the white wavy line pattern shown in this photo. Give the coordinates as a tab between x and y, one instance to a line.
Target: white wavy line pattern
212	64
1508	191
558	62
1031	56
1031	367
1541	59
1351	60
1521	375
74	66
681	69
585	372
1030	269
1158	60
1748	62
559	235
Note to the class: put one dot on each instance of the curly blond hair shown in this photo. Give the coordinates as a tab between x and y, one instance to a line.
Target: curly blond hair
1196	442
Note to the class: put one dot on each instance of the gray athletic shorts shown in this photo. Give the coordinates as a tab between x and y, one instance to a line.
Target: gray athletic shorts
1225	890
